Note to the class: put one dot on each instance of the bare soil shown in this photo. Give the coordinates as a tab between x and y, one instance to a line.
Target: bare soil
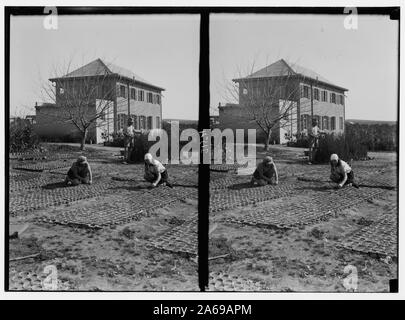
307	258
114	258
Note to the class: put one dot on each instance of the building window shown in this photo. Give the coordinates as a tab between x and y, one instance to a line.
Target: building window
341	99
123	92
142	122
305	92
140	95
305	122
150	123
158	122
121	121
325	123
316	94
133	94
324	96
149	97
333	97
341	123
157	99
333	123
136	122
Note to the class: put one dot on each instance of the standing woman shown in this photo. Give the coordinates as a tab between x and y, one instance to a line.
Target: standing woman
129	135
314	134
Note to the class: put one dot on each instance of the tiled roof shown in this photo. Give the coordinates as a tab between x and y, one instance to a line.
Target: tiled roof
284	68
99	67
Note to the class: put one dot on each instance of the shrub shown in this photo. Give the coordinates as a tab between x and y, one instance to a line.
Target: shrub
299	143
65	138
347	146
141	147
22	137
299	140
377	137
117	140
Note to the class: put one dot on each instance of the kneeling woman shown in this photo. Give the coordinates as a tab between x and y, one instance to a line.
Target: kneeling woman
80	172
265	173
341	172
155	172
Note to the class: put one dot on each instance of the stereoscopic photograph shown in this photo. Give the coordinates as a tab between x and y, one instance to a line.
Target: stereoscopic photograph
311	205
139	141
91	206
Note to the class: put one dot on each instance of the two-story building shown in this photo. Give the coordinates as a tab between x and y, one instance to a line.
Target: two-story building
103	90
289	95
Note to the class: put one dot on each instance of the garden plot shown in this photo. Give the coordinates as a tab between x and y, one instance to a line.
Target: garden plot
39	156
228	181
293	242
105	226
23	175
31	281
43	198
180	239
15	174
44	166
379	238
227	167
310	209
374	182
124	208
178	175
220	281
246	195
34	182
96	216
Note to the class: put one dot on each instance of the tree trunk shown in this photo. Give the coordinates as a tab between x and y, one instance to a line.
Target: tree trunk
266	146
83	139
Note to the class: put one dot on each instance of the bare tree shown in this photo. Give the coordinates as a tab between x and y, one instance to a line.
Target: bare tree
81	101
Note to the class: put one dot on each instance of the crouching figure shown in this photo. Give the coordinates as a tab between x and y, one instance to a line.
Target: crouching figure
155	172
80	172
341	172
265	173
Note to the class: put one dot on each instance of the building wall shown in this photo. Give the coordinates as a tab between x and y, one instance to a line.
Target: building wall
50	124
137	107
105	124
323	109
105	90
271	90
286	88
289	125
235	117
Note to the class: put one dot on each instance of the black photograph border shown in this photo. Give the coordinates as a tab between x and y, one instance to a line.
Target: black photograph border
204	101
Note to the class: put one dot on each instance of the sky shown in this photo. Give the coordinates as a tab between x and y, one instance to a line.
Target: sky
162	49
365	60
